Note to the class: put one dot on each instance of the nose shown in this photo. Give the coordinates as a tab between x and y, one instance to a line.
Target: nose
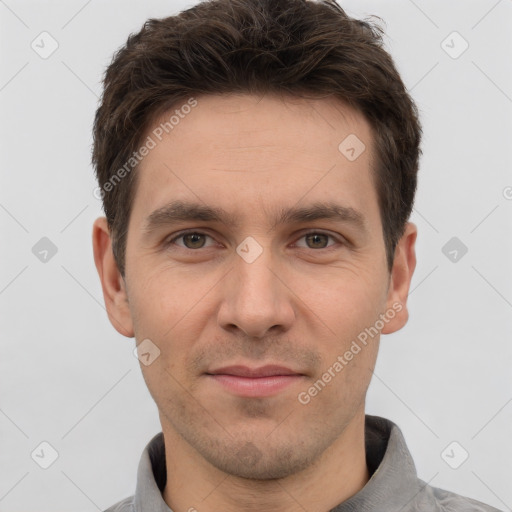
256	298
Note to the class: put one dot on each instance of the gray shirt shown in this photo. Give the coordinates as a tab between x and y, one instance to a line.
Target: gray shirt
393	486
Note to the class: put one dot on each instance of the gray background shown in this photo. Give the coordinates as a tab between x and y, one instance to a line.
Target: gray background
68	378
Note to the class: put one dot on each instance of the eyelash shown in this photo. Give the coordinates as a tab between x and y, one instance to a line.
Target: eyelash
195	232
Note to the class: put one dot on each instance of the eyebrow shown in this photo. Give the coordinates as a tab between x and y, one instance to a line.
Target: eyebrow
179	211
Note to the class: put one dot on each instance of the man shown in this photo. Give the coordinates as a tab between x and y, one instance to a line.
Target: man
230	140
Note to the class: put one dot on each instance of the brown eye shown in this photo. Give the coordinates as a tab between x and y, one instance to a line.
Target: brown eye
194	239
317	240
191	240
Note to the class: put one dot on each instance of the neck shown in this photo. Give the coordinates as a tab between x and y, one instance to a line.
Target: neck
193	484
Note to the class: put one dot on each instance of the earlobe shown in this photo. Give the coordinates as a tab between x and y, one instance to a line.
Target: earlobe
112	283
400	280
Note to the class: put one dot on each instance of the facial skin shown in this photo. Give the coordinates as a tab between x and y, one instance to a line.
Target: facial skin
300	304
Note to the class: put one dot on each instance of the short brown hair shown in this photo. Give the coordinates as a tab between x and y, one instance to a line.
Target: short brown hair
296	47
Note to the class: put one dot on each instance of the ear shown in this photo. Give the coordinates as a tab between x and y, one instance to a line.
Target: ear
404	264
112	283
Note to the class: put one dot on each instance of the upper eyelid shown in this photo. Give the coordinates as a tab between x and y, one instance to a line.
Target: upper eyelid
184	233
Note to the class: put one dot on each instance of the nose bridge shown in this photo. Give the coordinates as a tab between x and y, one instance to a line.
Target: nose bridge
254	271
255	300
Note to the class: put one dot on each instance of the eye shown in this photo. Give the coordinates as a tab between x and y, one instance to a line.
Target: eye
192	240
317	239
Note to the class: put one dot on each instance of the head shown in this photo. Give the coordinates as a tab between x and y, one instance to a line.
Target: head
260	127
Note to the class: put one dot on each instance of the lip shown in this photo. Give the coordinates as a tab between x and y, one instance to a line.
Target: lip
255	382
263	371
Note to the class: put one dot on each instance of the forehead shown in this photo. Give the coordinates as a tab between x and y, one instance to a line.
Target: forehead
238	116
251	151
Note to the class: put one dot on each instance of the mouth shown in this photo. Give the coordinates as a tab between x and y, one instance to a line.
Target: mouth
255	382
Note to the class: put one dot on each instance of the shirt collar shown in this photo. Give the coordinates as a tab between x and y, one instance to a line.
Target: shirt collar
394	482
392	485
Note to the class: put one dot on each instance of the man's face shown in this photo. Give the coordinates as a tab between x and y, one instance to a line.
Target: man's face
256	289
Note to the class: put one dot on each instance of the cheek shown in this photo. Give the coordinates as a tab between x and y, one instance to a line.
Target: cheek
164	301
347	367
349	313
341	384
171	311
346	303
